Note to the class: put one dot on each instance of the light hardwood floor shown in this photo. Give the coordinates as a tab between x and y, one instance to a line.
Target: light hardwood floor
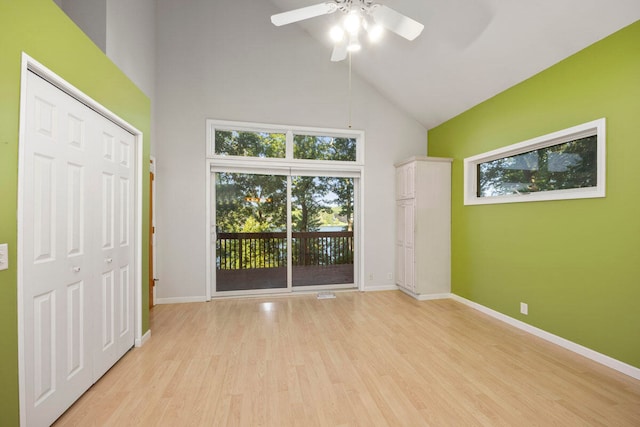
368	359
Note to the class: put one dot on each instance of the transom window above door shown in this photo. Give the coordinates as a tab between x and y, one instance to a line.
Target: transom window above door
250	141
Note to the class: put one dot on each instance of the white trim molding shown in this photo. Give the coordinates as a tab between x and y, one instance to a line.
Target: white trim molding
600	358
425	297
141	341
180	300
377	288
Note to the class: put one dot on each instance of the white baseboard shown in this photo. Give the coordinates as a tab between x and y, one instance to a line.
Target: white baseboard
180	300
428	297
375	288
603	359
140	342
425	297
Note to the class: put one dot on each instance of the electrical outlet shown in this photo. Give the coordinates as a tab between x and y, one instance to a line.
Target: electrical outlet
389	276
370	276
524	308
4	256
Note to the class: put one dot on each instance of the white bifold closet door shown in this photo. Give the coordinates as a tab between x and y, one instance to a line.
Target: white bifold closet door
77	248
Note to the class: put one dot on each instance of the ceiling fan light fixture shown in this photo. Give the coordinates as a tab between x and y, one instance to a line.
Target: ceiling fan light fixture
358	16
354	44
336	33
352	22
375	32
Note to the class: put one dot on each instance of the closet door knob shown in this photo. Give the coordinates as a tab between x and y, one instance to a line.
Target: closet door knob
109	260
76	269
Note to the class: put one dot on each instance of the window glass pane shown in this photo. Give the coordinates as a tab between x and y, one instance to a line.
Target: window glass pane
563	166
251	231
250	144
322	230
313	147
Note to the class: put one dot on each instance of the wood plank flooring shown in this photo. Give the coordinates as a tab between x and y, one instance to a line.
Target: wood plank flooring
362	359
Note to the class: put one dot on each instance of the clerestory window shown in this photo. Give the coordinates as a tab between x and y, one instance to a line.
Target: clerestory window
568	164
252	141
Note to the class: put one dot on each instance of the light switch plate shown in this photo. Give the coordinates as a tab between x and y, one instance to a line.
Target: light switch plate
4	256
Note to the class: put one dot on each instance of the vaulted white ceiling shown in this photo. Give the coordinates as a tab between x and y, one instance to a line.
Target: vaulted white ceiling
471	50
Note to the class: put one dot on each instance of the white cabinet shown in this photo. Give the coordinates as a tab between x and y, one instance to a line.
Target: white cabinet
423	227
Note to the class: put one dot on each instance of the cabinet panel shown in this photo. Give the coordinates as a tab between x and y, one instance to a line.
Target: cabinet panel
405	181
400	267
410	180
409	269
409	223
404	243
400	224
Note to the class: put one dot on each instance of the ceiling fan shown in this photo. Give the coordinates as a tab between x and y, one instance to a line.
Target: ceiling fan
359	15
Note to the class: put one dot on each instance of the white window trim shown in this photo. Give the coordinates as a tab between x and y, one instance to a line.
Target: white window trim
595	127
289	131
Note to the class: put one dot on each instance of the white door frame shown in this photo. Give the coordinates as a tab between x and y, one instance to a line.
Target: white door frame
153	167
30	64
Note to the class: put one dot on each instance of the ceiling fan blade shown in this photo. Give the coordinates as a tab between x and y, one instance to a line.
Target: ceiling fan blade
396	22
339	52
303	13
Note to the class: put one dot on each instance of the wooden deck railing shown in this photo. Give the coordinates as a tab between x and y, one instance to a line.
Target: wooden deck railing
237	251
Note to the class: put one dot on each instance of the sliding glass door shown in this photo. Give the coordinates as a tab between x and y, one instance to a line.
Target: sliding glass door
322	230
277	231
251	231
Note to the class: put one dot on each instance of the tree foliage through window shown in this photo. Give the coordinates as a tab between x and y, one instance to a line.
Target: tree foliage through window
563	166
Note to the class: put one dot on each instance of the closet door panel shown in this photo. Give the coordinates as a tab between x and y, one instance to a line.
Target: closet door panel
55	268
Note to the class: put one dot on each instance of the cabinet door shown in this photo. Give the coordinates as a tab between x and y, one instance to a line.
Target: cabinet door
399	267
400	262
405	244
409	252
409	180
409	223
405	185
400	223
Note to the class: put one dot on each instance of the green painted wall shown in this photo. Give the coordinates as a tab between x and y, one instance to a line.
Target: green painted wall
43	31
575	262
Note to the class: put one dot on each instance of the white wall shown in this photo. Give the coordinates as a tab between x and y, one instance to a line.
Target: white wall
130	41
224	60
90	16
125	31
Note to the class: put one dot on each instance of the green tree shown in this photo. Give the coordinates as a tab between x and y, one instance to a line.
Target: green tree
250	144
308	201
312	147
257	203
567	165
343	188
258	199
